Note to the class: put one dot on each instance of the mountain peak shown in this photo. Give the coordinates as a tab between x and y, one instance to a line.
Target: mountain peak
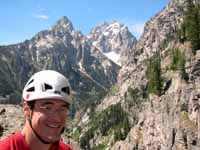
64	23
116	23
104	24
112	40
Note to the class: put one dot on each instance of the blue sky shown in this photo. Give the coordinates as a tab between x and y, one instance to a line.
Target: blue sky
22	19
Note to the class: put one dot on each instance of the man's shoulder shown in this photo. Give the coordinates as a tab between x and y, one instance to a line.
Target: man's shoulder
64	146
7	143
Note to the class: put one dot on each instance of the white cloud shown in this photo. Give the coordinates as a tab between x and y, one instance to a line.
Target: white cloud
41	13
41	16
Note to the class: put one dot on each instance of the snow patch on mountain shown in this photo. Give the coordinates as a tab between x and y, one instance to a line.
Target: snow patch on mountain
46	42
114	57
112	40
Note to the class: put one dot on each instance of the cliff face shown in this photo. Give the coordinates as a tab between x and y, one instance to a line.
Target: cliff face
169	121
166	120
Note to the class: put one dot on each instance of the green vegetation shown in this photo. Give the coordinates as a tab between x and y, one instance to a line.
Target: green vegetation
178	63
76	133
190	125
166	41
155	81
113	90
112	120
190	28
10	84
93	96
100	147
133	97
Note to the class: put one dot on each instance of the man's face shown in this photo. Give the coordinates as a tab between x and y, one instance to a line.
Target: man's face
48	119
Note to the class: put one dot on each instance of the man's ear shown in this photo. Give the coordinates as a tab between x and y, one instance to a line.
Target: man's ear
26	109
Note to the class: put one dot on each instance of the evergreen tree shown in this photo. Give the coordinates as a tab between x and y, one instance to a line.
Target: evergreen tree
178	63
193	27
182	33
190	28
155	80
190	5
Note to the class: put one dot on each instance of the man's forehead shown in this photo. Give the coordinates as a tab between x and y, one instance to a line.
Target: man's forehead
51	101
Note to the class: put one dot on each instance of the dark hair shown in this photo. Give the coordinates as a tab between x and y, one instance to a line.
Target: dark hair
31	104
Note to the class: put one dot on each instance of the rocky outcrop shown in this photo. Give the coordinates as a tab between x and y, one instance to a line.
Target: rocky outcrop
11	119
167	121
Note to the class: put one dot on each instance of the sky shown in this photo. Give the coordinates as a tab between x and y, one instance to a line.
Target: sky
22	19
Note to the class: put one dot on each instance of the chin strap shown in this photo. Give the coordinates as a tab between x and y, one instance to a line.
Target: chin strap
43	141
37	135
63	129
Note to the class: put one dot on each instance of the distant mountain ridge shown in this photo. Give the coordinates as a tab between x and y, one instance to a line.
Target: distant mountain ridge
112	39
60	48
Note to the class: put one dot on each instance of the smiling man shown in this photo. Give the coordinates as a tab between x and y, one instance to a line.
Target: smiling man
46	100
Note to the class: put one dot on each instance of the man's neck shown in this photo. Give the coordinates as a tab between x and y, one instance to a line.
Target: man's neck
32	140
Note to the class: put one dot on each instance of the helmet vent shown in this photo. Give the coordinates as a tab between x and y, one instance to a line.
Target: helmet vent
30	81
66	90
47	87
32	89
57	92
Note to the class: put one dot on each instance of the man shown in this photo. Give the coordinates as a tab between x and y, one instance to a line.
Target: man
46	100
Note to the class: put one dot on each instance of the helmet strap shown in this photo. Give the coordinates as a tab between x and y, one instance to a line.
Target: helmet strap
63	129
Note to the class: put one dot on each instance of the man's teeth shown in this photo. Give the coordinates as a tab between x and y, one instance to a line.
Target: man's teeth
53	126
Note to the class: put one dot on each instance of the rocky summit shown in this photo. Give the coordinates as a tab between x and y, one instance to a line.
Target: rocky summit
153	98
113	40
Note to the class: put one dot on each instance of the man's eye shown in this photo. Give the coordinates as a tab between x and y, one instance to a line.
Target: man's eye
63	109
46	107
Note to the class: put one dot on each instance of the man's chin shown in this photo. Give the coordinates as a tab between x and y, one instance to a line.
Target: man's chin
52	139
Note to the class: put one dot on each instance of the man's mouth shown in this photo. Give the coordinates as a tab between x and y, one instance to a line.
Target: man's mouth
53	126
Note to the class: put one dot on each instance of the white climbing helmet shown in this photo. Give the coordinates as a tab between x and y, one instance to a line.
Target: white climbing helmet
47	84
